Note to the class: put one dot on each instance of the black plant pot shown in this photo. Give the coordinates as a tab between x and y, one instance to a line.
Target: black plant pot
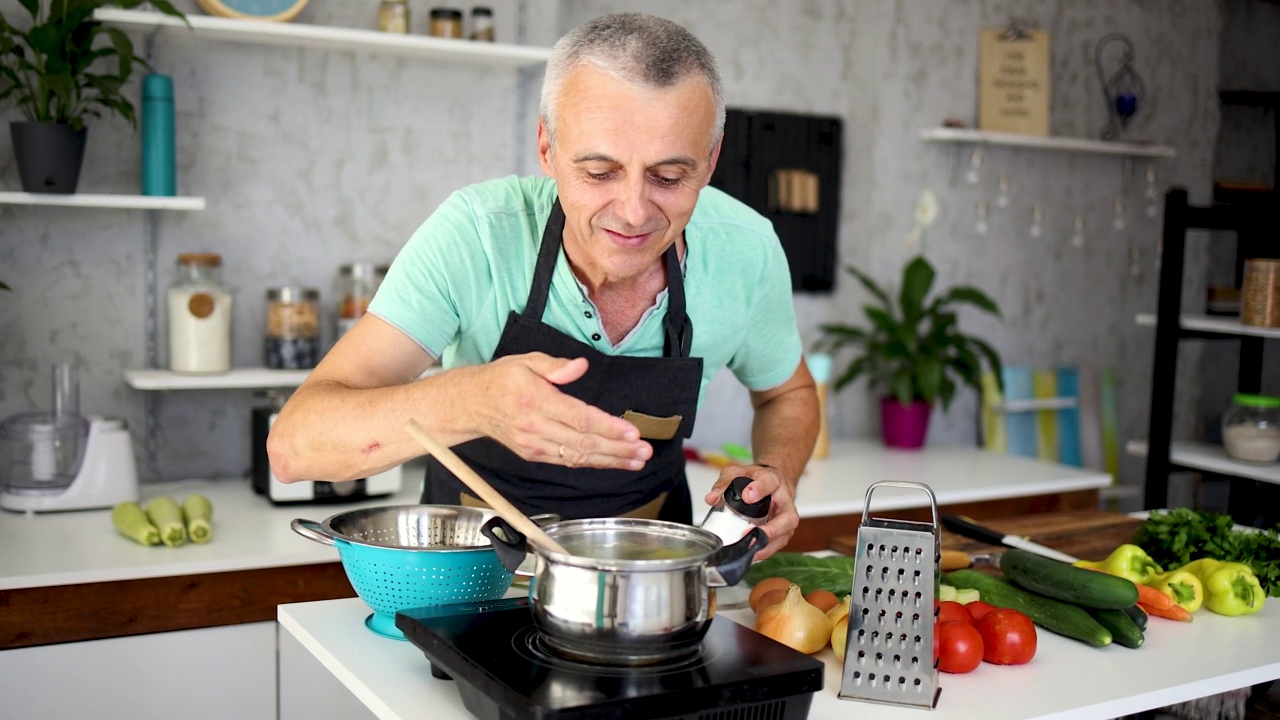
48	155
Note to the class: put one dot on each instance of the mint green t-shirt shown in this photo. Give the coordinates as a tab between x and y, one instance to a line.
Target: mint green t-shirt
471	263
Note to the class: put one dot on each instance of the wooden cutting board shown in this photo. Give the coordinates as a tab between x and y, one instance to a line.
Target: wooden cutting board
1086	534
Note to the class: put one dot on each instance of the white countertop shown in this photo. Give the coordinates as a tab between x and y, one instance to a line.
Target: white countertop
1067	679
249	532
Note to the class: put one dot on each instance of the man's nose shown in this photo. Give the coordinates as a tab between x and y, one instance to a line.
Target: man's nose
632	203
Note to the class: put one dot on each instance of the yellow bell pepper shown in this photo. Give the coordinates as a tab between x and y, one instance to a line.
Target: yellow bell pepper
1230	588
1127	561
1183	587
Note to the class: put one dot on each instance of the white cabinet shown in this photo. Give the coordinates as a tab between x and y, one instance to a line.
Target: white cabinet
207	674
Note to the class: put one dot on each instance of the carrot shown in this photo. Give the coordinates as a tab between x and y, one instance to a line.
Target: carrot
1173	612
1148	595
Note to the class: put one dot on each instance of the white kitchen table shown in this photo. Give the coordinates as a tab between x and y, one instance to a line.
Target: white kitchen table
391	679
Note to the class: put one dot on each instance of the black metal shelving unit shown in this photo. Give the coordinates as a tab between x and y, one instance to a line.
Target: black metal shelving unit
1257	232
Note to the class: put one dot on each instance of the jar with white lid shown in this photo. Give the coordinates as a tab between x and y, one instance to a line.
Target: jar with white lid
1251	428
199	316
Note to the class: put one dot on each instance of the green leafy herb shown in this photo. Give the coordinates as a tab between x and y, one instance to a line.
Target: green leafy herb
1175	537
810	573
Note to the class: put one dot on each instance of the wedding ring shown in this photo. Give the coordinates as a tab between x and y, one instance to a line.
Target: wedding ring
561	452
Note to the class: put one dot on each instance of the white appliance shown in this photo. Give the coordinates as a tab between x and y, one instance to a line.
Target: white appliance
314	491
105	475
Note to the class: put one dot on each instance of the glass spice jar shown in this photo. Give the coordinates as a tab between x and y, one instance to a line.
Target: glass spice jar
293	328
1251	428
393	16
357	282
199	316
445	23
482	24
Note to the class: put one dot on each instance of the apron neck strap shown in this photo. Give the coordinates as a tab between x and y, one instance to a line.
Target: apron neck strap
678	328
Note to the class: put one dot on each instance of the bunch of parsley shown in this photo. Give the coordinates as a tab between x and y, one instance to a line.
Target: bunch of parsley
1175	537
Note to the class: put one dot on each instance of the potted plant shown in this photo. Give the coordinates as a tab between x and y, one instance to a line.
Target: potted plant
912	351
61	69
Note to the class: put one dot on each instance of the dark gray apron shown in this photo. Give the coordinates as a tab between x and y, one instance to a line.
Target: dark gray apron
661	391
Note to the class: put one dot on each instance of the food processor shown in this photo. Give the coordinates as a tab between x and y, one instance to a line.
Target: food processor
60	460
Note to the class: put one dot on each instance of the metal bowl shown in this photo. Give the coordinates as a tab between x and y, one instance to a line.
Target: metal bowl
450	528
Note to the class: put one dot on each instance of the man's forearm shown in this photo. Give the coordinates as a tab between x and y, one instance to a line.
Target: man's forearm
784	431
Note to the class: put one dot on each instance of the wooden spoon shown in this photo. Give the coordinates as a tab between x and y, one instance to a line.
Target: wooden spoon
483	489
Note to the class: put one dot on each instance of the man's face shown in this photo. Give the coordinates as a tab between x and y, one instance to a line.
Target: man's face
629	162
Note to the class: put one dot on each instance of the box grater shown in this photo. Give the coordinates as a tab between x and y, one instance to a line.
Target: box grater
889	655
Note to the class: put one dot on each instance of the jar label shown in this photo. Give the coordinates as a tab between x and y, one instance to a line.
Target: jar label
200	305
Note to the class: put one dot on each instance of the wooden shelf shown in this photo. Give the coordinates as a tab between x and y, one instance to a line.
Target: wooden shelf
260	32
1211	324
124	202
236	379
1080	145
1210	458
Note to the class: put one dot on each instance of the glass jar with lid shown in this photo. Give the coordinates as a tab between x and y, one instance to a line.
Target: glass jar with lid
199	316
293	328
357	282
393	16
1251	428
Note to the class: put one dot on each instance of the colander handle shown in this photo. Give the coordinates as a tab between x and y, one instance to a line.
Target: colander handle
312	530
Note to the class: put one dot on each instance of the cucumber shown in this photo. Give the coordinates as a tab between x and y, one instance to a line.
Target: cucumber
1061	581
164	513
1138	616
1052	615
131	522
1123	630
197	513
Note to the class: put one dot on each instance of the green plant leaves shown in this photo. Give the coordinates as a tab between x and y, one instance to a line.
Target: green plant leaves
914	350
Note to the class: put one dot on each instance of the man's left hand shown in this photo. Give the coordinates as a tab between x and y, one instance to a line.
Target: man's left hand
765	481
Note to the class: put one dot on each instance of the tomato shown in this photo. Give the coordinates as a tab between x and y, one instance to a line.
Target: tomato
959	646
977	609
1008	637
949	610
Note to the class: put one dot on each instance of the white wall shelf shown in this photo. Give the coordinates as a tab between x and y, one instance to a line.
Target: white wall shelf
124	202
237	379
261	32
1210	458
964	136
1036	405
1214	324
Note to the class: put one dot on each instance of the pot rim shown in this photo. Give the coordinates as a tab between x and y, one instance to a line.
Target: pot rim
710	540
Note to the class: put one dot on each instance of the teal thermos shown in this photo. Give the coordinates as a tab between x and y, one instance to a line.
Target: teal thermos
159	167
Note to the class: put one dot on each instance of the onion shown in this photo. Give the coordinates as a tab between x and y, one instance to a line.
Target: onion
795	623
840	636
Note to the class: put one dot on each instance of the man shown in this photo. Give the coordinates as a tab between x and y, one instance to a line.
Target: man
580	315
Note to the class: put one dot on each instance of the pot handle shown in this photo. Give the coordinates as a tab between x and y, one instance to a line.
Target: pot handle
735	559
312	530
509	543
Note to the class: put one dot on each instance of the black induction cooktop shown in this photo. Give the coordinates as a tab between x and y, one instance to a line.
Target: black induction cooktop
505	671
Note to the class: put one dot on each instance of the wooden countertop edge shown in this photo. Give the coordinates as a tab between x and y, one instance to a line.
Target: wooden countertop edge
31	617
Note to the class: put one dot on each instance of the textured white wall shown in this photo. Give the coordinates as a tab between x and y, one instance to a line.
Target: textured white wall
311	159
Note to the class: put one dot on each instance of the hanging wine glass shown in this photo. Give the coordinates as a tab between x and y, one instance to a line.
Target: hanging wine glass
1077	231
1002	197
974	176
980	225
1037	222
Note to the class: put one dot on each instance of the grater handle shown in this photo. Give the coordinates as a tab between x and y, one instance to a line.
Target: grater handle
933	500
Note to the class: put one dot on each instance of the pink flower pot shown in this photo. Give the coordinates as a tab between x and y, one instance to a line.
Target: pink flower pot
904	426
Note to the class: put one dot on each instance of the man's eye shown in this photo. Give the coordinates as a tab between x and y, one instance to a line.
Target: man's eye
599	175
666	181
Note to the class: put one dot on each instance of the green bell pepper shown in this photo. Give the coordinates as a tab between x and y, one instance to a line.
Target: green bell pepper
1127	561
1183	587
1230	588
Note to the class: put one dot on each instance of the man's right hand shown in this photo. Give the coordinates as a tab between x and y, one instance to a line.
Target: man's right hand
524	409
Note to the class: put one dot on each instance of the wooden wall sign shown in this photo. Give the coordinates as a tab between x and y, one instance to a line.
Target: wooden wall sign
1013	81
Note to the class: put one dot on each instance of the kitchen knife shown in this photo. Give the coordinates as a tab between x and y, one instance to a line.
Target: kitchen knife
970	529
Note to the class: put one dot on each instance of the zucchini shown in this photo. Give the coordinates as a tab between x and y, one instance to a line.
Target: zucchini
1138	616
1123	630
197	514
131	522
1052	615
164	513
1061	581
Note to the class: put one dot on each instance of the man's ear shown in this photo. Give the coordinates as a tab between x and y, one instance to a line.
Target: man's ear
714	159
544	148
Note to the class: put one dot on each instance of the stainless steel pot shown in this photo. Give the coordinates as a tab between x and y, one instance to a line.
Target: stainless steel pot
630	591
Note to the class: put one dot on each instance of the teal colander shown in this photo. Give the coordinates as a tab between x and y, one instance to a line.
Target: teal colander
406	556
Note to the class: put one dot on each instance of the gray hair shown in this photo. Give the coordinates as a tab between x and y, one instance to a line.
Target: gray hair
636	48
